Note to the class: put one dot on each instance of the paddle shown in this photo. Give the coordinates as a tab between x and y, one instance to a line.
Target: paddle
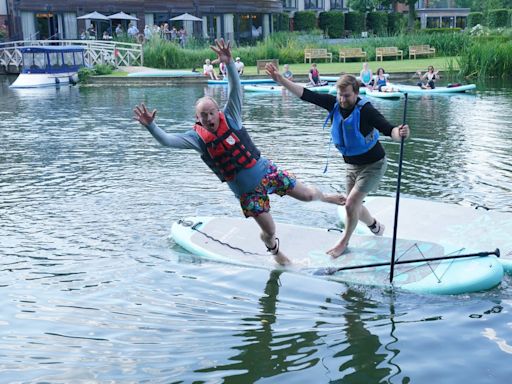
397	200
332	270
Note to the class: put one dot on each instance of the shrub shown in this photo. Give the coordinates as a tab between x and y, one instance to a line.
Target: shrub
85	73
377	22
332	23
475	18
397	22
281	22
354	21
304	20
498	18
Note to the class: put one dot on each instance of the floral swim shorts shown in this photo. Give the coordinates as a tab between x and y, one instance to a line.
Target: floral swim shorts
276	181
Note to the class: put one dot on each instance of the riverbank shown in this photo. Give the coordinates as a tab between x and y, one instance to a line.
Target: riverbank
400	70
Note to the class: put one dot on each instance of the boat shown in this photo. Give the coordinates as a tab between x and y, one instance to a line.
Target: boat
279	88
50	65
243	81
420	266
445	223
444	90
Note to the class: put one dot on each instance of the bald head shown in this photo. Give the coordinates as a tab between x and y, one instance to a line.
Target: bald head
207	113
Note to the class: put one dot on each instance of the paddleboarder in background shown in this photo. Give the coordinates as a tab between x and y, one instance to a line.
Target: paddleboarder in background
355	131
226	147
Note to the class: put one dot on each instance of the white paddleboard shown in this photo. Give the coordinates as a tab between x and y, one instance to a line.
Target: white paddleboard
417	89
444	223
384	95
236	241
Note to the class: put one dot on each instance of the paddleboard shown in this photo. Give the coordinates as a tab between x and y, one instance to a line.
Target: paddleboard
444	223
383	95
280	88
335	78
244	81
417	89
236	241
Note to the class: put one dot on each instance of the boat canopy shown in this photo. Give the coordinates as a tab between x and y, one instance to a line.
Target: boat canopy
52	58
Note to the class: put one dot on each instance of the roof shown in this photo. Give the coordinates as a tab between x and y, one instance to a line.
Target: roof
53	48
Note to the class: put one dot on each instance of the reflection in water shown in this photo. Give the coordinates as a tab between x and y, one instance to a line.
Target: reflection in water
90	279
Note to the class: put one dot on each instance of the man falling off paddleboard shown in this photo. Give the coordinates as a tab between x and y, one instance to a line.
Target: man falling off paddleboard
226	147
355	131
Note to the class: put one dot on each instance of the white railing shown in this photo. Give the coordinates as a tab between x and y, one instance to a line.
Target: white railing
97	52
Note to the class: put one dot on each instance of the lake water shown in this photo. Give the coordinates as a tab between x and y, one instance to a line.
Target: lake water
93	289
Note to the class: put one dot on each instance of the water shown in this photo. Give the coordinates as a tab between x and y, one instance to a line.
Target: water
93	289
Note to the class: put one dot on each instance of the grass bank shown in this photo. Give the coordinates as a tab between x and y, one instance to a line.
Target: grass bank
444	64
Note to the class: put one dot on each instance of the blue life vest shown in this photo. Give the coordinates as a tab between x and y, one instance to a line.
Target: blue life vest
346	134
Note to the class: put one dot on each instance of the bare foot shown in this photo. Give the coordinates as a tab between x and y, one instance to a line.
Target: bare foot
337	199
338	249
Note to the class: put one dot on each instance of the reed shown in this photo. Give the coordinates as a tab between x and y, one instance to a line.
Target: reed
487	58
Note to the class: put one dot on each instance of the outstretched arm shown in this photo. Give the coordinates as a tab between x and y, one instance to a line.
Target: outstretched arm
294	88
143	116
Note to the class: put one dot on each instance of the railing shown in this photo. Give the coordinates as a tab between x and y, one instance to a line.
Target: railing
97	52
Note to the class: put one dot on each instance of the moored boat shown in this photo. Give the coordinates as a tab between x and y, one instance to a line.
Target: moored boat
49	66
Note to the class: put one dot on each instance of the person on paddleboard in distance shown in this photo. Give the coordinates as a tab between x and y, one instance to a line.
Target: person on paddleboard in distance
355	131
226	147
428	79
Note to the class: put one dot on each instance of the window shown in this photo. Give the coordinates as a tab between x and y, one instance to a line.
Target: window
336	4
313	4
289	4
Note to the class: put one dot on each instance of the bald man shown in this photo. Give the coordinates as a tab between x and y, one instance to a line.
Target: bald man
226	147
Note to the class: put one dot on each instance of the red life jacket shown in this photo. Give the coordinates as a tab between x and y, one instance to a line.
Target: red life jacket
227	151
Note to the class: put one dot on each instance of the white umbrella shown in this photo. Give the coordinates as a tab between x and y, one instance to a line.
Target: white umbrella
94	16
122	16
186	17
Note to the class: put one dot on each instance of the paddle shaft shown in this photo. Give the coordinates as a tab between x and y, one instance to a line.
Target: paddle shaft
331	271
397	200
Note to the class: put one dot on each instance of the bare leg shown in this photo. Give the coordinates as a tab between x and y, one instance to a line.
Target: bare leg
268	235
304	192
354	208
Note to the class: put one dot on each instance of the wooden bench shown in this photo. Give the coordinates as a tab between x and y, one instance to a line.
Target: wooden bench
426	49
349	53
260	64
388	51
317	53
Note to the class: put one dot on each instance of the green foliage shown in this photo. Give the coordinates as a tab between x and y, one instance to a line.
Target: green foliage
305	20
332	23
377	22
498	18
85	73
441	30
354	21
281	22
486	58
103	69
397	22
475	18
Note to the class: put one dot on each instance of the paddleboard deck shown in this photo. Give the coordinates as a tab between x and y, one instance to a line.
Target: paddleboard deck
280	88
383	95
444	223
236	241
243	81
417	89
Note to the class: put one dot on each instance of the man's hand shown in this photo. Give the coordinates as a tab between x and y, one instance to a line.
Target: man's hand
142	115
273	72
223	50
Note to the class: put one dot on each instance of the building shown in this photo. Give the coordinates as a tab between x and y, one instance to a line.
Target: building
57	19
441	14
232	19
